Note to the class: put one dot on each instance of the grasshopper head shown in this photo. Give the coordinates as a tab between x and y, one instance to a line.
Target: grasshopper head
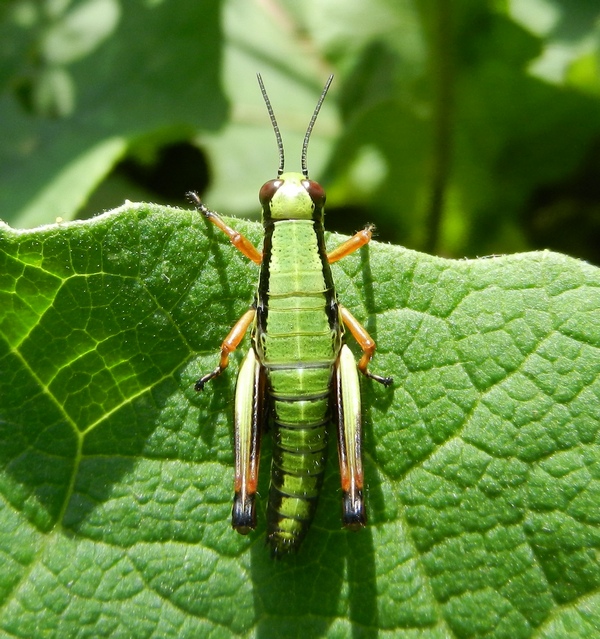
292	196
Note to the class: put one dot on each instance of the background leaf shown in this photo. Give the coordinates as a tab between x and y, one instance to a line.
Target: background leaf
153	80
482	460
459	128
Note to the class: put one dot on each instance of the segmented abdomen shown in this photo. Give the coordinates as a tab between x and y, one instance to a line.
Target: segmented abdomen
297	339
299	454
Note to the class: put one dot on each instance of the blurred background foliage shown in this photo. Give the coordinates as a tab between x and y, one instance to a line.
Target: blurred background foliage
459	127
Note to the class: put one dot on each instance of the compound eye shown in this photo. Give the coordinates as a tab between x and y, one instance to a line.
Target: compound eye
316	192
268	190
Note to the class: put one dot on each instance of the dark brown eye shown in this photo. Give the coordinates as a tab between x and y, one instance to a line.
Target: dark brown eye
268	190
316	192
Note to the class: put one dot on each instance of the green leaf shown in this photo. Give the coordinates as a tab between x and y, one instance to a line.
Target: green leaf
465	128
482	460
157	76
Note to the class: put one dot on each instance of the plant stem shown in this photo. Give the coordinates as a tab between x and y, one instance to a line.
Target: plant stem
442	69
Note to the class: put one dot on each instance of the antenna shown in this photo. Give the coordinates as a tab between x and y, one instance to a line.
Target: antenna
273	124
311	124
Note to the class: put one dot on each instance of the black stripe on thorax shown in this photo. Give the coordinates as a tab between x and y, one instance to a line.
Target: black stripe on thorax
331	305
262	307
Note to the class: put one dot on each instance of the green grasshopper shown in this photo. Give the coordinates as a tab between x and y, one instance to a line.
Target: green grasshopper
299	370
